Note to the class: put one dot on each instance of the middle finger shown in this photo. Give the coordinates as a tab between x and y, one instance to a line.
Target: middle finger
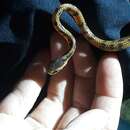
85	75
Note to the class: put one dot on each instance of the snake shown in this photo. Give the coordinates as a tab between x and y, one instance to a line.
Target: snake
59	63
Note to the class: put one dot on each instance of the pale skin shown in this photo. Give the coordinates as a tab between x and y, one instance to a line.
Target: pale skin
85	95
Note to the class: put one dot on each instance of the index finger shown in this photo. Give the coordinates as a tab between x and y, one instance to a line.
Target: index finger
109	89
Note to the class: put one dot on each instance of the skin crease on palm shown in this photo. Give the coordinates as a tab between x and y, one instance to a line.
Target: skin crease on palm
85	95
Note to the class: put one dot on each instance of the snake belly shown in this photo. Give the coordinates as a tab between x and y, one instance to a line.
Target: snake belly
105	45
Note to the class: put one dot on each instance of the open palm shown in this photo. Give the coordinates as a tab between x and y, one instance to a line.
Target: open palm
85	95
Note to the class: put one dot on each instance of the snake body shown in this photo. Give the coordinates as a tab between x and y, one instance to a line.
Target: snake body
105	45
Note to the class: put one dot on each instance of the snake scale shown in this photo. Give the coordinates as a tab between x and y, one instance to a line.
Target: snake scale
105	45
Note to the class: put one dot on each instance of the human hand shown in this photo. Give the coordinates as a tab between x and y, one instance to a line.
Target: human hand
85	95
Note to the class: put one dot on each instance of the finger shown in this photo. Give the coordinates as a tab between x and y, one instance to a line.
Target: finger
85	74
22	99
84	83
59	89
61	84
109	89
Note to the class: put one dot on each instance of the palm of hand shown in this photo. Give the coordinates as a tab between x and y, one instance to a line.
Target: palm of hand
77	98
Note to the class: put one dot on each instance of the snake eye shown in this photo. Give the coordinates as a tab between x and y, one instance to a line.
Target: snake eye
56	71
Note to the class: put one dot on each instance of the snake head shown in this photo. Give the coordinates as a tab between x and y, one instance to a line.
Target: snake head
56	65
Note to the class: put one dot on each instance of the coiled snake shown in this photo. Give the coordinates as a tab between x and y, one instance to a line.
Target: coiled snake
105	45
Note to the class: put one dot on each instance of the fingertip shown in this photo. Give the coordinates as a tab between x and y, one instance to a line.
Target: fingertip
58	45
109	65
109	76
108	58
